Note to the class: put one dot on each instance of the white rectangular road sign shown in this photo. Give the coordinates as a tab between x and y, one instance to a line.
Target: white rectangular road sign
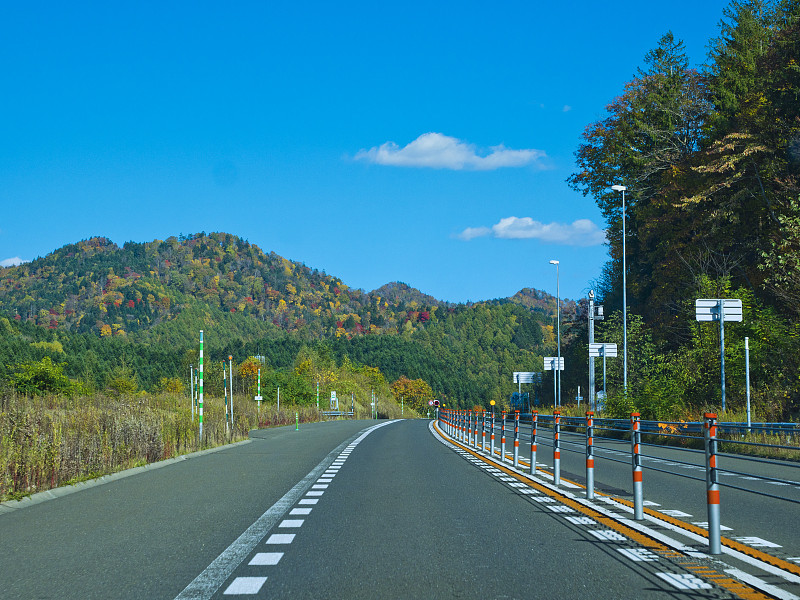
707	309
607	350
551	363
524	376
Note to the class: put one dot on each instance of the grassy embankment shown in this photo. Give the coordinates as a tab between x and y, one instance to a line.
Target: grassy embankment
50	441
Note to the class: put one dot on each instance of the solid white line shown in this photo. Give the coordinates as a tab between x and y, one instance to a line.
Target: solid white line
205	585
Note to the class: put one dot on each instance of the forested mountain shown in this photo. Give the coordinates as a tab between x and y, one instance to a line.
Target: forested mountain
711	161
103	305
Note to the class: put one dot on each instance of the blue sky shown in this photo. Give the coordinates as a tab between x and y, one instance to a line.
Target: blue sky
421	142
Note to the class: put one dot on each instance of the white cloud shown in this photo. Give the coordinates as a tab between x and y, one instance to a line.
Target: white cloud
439	151
566	108
582	232
473	232
12	262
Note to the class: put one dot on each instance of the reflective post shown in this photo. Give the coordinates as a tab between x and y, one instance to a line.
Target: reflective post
712	485
534	420
200	388
589	455
516	438
556	447
491	436
483	432
747	377
636	463
503	437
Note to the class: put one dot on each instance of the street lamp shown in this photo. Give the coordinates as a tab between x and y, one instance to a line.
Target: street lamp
558	322
622	188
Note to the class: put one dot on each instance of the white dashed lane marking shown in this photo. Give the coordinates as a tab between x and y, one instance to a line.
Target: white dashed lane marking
289	523
252	585
608	535
685	581
281	538
266	558
245	585
638	554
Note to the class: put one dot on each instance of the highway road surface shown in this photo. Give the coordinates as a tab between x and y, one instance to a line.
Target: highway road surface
356	509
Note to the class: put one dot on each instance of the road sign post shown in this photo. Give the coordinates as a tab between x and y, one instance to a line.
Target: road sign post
604	350
554	363
719	309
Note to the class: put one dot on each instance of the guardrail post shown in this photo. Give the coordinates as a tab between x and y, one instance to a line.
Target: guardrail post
492	435
483	432
534	419
636	463
503	437
589	455
516	438
556	447
712	485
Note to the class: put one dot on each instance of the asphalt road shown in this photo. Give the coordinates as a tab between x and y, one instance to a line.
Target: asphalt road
331	511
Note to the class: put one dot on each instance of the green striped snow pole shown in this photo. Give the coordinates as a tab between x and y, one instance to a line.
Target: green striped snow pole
225	385
200	387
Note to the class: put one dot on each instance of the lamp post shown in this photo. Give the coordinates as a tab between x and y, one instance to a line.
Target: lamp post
622	188
558	329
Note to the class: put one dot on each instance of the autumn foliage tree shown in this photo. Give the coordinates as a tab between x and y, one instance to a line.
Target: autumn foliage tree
413	392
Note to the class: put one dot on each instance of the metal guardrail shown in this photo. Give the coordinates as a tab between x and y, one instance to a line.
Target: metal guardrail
462	425
336	413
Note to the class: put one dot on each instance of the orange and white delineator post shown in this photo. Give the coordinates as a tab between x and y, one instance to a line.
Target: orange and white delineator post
534	420
491	436
636	464
503	437
589	455
556	447
712	484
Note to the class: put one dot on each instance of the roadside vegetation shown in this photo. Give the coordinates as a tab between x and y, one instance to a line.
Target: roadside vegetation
53	433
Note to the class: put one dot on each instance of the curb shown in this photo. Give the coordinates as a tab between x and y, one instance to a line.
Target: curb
39	497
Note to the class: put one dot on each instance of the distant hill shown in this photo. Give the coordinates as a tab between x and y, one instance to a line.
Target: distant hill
397	293
104	304
96	286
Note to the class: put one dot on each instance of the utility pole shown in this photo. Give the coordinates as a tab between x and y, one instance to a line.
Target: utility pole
591	341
